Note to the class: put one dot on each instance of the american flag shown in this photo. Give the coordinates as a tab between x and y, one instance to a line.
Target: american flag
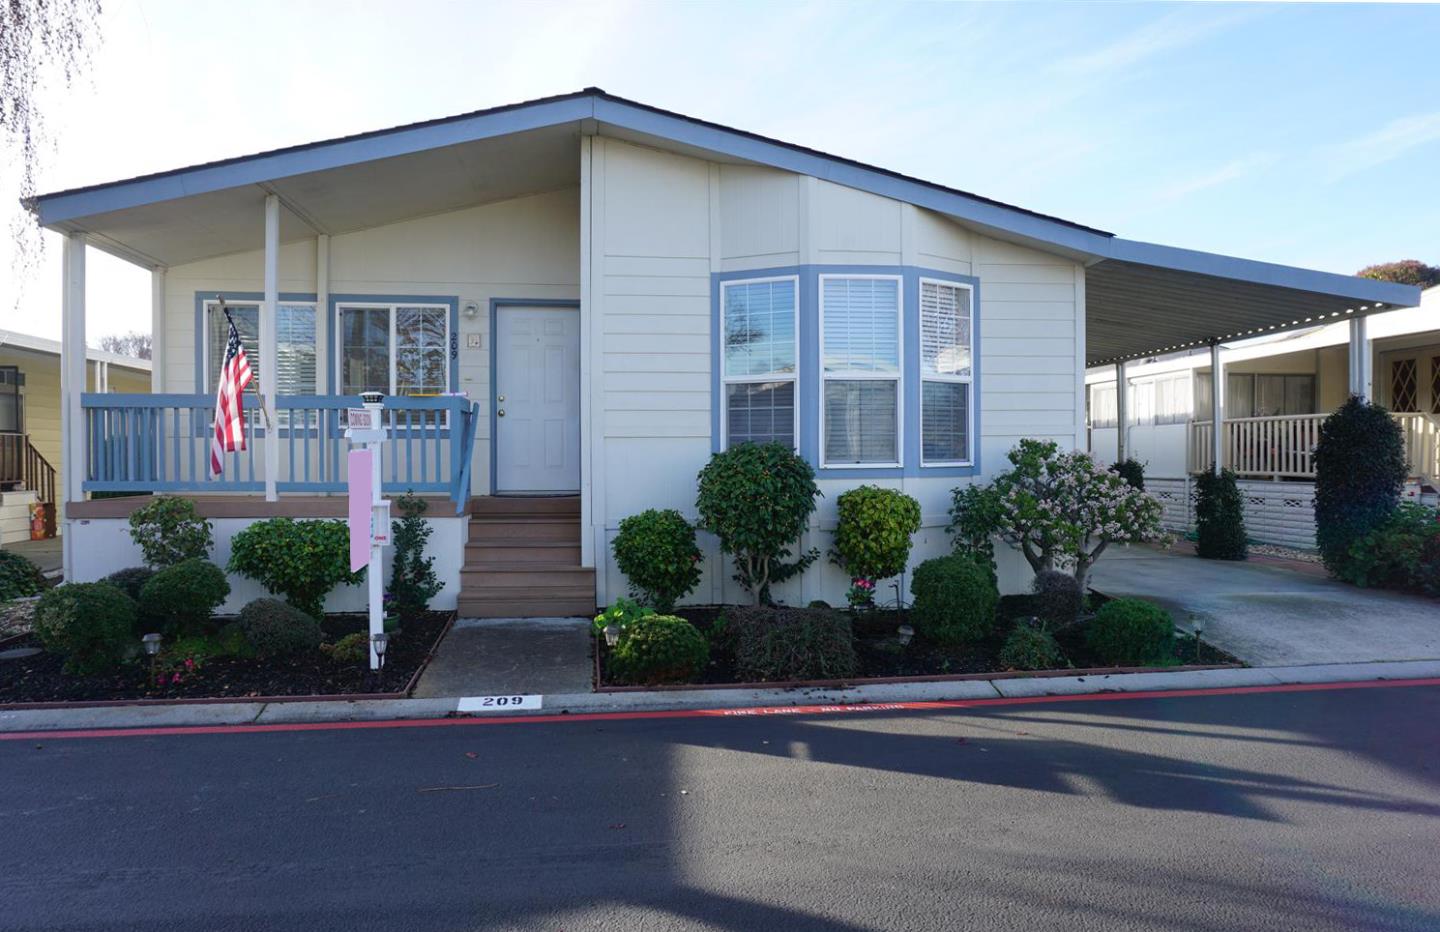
235	374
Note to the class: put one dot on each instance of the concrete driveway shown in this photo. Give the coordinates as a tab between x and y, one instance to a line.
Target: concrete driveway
1268	615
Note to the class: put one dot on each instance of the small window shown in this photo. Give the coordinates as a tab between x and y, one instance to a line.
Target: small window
946	372
860	362
294	344
758	364
1172	399
12	403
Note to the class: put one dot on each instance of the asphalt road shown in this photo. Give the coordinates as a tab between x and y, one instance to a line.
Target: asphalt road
1295	810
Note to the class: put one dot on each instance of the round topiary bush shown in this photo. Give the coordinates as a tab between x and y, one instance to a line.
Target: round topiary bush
130	580
659	649
301	560
778	643
1132	633
757	498
278	629
1219	517
91	624
872	538
1030	647
954	600
184	596
656	551
1360	469
168	531
19	577
1058	599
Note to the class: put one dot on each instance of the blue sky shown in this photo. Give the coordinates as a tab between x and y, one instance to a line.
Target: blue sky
1304	134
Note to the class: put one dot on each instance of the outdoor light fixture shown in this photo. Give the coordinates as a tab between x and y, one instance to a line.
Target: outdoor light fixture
471	310
380	640
152	647
612	634
372	398
906	634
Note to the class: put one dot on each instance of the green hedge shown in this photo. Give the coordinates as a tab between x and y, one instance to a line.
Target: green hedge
91	624
1132	633
1360	469
1219	517
659	649
778	643
656	551
301	560
954	600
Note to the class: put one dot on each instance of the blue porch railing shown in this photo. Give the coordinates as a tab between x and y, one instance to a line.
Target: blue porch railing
161	443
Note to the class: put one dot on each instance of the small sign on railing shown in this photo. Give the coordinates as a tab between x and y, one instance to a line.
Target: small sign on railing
362	419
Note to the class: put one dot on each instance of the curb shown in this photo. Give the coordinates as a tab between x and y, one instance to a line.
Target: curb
382	710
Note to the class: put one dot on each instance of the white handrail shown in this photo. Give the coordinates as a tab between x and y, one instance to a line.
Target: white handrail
1283	446
1422	445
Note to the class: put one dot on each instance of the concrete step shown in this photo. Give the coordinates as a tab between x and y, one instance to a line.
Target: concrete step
541	580
504	530
523	553
526	607
525	505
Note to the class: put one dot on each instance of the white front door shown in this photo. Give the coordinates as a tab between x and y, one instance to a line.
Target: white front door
537	399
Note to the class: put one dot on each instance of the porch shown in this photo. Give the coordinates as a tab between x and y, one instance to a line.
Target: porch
1283	447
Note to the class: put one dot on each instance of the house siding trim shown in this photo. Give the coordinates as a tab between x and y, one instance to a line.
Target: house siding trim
809	396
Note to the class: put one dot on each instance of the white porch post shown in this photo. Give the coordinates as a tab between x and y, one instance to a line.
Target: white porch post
1361	359
269	374
1217	409
1122	412
157	331
72	386
324	350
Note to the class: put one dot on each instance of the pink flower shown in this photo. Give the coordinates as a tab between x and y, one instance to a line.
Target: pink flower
175	678
189	663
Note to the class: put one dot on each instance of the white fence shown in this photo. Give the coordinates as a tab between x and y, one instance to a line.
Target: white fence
1275	512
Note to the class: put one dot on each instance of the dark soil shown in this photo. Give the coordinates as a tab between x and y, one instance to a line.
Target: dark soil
881	654
40	678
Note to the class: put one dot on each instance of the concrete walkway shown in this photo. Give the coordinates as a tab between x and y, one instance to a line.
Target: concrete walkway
1270	616
495	656
46	554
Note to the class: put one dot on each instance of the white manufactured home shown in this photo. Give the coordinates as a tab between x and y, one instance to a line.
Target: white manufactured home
570	303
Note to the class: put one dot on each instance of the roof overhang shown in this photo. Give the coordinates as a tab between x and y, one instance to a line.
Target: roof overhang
1142	299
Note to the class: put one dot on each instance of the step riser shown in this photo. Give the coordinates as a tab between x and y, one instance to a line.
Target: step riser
561	507
504	532
537	578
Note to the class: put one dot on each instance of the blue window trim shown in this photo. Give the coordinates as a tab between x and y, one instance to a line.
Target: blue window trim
808	327
495	305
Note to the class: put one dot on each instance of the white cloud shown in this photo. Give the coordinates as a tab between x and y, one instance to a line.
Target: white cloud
1390	142
1233	170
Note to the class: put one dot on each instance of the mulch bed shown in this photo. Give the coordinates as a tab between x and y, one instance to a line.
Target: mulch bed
881	655
40	679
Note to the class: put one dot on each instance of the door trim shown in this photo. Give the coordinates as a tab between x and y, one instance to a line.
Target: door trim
495	305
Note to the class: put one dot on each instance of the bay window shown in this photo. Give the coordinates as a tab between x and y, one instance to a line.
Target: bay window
946	372
860	370
758	360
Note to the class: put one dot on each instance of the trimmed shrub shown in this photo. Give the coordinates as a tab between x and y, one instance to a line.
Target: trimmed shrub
1360	469
184	596
19	577
872	538
1219	517
91	624
757	498
301	560
168	531
130	580
1394	555
1132	471
976	516
353	648
656	551
776	643
278	629
954	600
413	582
1132	633
1058	598
1030	647
659	649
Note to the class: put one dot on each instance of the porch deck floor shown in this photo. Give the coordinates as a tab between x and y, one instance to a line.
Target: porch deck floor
1269	615
494	656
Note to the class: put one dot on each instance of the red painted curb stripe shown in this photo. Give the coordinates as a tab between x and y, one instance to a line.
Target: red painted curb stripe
755	712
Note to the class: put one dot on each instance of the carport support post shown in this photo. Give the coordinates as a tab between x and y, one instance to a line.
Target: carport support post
1217	409
269	373
72	385
1122	412
1361	364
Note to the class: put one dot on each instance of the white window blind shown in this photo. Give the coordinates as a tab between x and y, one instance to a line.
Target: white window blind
860	351
946	370
758	364
294	345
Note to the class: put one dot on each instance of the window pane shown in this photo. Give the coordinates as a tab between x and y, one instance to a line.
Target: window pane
945	422
1300	394
364	350
247	322
861	324
1239	395
295	349
760	412
1102	406
944	329
1269	395
759	328
860	422
420	355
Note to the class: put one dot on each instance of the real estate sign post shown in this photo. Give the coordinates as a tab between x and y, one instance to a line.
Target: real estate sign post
369	513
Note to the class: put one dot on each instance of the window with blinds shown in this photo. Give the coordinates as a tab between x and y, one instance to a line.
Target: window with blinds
758	360
294	345
946	372
860	370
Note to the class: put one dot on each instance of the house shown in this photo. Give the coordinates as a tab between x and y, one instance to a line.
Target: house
30	421
571	302
1279	388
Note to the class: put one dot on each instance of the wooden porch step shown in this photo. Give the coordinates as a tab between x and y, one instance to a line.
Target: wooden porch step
538	579
525	505
522	553
505	530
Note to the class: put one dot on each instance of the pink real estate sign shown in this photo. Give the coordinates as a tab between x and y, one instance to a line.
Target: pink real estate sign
361	508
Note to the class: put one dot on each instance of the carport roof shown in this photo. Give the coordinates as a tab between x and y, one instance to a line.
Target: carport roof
1141	298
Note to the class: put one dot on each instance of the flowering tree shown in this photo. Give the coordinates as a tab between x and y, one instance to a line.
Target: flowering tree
1061	509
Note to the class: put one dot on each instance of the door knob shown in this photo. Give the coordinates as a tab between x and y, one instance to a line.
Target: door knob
500	398
500	413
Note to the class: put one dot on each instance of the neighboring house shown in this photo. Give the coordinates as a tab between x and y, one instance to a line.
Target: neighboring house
30	420
1278	390
572	302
